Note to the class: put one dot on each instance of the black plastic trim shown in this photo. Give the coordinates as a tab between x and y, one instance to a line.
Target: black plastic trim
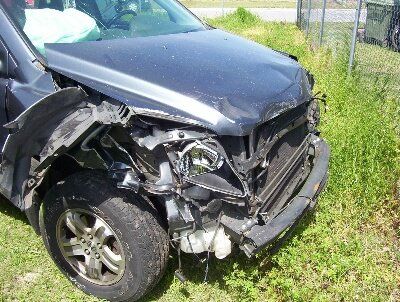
262	235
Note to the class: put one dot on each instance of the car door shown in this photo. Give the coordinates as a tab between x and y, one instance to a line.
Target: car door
23	82
3	88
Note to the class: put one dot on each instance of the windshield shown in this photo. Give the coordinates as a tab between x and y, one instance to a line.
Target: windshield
72	21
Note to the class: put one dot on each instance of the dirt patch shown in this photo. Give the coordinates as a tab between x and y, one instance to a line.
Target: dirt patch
28	278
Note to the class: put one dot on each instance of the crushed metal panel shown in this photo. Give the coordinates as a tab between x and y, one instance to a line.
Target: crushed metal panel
47	130
75	125
31	130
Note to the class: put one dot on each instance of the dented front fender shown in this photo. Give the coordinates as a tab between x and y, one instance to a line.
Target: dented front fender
48	129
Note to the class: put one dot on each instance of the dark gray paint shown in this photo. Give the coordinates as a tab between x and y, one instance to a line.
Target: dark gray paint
31	131
210	78
26	80
3	117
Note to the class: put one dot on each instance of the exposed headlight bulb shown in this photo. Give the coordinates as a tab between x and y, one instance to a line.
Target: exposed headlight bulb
196	159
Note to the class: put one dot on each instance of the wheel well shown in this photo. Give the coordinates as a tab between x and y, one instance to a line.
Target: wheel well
60	169
63	167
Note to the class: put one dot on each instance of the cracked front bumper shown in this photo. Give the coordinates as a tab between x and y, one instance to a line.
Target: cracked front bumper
254	239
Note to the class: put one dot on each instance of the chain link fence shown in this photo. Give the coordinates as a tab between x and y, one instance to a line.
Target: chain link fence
368	31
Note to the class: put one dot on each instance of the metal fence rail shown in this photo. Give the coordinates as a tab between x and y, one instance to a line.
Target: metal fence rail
367	30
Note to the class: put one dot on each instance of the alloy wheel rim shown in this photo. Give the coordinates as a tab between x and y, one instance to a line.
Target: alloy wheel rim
90	246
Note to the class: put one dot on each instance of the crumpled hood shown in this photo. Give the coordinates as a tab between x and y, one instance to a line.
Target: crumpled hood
209	78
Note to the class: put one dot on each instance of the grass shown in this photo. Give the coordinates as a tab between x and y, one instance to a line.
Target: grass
380	61
372	61
241	3
266	3
348	250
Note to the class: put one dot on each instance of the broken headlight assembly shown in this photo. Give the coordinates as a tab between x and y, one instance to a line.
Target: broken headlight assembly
205	164
196	159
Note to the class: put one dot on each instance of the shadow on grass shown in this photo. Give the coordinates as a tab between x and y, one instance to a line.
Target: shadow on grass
218	269
8	209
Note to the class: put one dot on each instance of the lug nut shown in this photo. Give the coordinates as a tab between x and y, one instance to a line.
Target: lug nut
87	252
97	255
90	237
83	240
99	245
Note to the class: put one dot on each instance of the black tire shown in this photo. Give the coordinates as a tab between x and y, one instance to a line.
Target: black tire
144	241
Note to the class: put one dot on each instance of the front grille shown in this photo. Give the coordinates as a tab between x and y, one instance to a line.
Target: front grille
286	161
281	152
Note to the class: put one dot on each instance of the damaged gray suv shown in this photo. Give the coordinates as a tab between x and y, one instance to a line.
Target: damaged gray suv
131	127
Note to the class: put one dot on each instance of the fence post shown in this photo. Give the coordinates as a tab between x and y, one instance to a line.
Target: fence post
223	8
308	17
298	17
354	37
321	30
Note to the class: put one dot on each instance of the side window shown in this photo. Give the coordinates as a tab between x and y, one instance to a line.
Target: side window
3	60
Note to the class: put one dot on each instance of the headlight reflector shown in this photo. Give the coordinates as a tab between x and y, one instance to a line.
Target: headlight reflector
196	159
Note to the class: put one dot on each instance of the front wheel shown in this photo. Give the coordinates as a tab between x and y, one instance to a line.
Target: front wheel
109	242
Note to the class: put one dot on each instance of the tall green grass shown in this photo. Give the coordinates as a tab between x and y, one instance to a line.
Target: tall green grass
361	119
349	249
